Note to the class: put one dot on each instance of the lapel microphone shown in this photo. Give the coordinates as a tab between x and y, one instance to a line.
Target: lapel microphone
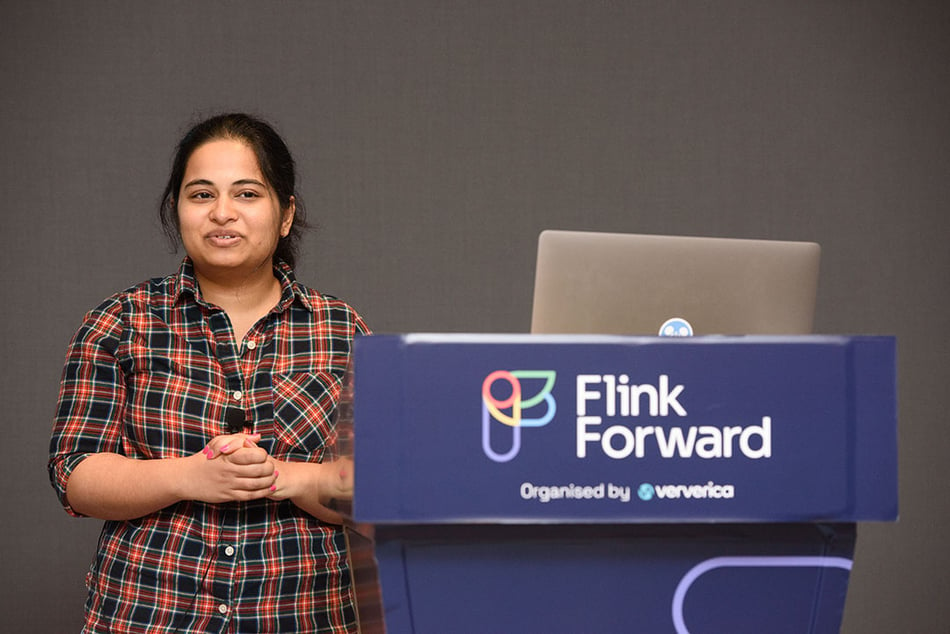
235	419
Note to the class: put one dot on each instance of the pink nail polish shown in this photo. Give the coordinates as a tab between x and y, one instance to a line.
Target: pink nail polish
208	452
273	488
225	448
276	473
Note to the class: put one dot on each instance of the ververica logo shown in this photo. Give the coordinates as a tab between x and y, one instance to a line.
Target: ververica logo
513	400
709	490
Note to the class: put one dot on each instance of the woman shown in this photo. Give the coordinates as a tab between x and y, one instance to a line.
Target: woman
195	413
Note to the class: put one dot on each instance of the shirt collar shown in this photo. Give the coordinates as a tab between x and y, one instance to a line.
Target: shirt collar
290	290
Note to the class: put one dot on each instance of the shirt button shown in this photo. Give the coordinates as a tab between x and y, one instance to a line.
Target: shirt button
237	395
222	608
229	551
251	344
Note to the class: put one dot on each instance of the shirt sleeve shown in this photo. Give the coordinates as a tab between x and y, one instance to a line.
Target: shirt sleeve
91	404
360	326
342	439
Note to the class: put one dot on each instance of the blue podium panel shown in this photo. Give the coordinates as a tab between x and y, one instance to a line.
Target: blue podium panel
620	484
606	578
482	428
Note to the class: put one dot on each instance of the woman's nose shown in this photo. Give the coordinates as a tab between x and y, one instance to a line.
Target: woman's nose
222	211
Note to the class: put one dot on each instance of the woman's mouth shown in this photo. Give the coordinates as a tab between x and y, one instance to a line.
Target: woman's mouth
223	239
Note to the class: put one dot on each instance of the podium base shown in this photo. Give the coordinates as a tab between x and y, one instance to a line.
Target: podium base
695	578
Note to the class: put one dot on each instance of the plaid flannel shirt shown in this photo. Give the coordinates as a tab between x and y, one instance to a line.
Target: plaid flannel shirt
151	374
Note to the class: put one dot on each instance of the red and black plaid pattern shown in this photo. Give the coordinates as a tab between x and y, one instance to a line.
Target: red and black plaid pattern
152	373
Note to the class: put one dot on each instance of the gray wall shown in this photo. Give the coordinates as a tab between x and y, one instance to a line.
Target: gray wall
436	139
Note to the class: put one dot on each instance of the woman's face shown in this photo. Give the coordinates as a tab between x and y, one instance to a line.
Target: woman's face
229	217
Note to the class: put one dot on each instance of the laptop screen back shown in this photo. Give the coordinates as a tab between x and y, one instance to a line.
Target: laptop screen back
630	284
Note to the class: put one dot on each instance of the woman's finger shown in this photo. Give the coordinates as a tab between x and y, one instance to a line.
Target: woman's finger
228	444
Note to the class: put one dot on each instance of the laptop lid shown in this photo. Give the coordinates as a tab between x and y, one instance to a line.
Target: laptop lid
631	284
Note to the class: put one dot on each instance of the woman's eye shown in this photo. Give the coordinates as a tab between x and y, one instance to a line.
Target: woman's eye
248	194
201	196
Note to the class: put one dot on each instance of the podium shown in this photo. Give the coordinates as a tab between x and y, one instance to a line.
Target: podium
532	483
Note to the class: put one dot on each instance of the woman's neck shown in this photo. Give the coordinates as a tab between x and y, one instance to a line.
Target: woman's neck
245	298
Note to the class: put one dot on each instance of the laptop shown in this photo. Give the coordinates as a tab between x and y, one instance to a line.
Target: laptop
632	284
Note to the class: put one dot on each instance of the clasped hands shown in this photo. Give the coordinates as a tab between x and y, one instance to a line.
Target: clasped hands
235	468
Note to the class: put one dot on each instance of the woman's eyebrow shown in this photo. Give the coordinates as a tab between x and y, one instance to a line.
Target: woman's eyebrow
197	181
206	182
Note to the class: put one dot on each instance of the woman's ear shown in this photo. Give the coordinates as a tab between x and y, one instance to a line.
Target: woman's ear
288	218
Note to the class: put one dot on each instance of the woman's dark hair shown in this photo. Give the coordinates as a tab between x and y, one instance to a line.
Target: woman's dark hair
273	157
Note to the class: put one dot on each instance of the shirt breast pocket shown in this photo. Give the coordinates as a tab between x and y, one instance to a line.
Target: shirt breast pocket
303	409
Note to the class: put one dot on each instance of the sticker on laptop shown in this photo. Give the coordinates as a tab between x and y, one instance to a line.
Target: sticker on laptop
676	327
